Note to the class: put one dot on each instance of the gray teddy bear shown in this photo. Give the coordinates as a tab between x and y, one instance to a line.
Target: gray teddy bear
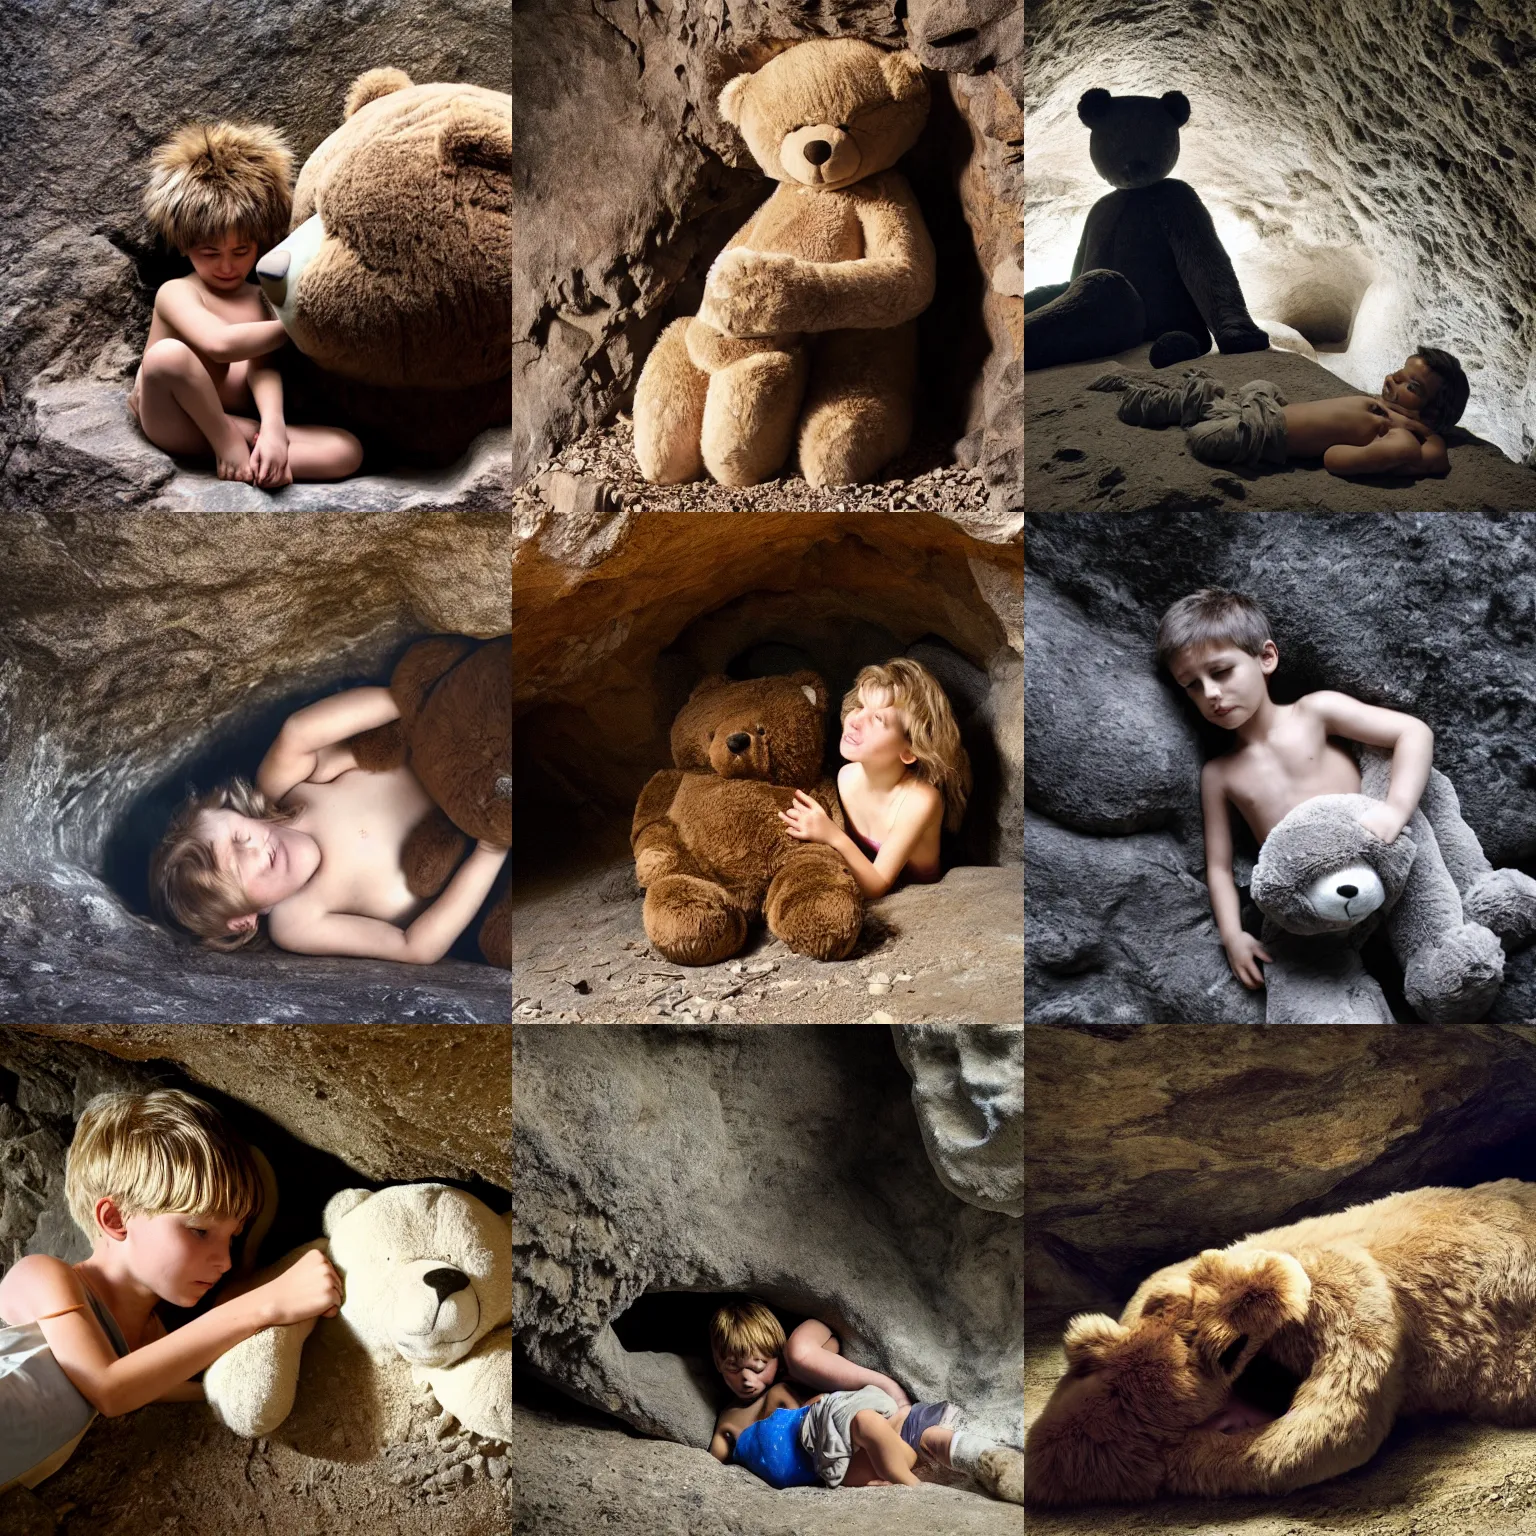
1324	884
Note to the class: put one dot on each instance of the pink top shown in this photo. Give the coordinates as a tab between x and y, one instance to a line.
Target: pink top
918	874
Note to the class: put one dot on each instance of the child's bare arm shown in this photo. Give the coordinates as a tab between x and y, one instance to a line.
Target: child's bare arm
1413	750
300	927
204	332
1408	447
812	1355
1243	950
308	732
269	453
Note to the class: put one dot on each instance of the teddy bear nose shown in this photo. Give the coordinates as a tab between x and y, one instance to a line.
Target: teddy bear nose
738	742
1346	891
445	1282
818	151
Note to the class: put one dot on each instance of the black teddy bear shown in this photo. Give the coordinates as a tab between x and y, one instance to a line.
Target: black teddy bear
1150	265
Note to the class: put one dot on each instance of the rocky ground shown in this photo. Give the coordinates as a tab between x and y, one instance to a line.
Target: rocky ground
947	953
578	1473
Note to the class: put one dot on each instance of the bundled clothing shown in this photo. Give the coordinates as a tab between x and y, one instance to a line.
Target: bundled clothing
1247	429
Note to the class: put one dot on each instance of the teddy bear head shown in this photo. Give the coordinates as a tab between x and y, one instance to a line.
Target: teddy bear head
767	728
427	1270
1135	139
826	114
397	271
1132	1387
1320	871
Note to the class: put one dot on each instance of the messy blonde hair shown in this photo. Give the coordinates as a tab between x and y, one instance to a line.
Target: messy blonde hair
157	1153
188	889
210	178
931	730
745	1327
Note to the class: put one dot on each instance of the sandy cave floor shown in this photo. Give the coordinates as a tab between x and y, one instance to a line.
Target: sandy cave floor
572	1477
951	953
1434	1477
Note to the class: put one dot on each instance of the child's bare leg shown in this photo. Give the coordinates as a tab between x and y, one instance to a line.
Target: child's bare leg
811	1352
180	411
935	1443
890	1455
322	453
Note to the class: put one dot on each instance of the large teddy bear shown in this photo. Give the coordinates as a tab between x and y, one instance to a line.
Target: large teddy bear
1150	265
1325	883
709	846
427	1274
805	333
396	280
1423	1302
455	732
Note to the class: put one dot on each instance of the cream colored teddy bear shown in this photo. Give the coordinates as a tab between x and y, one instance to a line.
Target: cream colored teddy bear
427	1271
806	327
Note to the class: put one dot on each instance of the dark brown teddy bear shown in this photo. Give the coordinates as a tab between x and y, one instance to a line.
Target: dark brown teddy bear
455	730
710	849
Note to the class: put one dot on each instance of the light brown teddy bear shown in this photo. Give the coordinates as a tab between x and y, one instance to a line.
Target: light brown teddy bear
710	849
396	279
806	327
455	730
1423	1302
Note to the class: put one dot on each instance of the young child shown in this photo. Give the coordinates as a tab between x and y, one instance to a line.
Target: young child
160	1185
906	776
314	850
828	1421
220	194
1218	649
1396	432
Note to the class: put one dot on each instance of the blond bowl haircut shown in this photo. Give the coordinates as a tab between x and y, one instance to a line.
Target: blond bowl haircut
1211	616
209	179
931	730
157	1153
188	889
743	1328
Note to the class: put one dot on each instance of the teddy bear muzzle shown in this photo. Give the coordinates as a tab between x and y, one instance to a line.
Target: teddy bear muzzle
820	155
436	1314
281	269
1347	896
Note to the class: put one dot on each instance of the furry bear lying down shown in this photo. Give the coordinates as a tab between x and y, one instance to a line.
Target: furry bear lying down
1423	1302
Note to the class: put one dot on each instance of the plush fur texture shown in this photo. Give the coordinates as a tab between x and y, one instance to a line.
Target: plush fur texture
805	334
1423	1302
209	179
396	279
1321	875
405	1321
1150	265
710	849
455	731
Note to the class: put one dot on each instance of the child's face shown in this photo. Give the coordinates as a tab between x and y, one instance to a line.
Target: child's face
267	860
875	733
1227	684
748	1376
1412	387
179	1257
225	263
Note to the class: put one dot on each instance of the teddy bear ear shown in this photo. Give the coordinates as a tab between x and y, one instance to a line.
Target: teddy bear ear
904	75
733	99
1091	1340
811	685
1093	106
370	86
483	139
1176	105
342	1204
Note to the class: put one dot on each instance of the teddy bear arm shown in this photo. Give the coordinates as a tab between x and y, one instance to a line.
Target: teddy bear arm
1206	269
477	1390
654	837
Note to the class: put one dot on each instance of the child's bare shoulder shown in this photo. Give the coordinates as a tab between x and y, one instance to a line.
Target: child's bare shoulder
38	1284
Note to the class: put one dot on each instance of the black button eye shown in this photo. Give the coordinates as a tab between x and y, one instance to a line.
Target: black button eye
844	128
760	731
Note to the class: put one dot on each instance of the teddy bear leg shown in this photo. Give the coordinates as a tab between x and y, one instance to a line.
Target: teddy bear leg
669	411
1319	981
749	416
1456	980
814	906
1099	314
495	936
858	409
1505	901
692	921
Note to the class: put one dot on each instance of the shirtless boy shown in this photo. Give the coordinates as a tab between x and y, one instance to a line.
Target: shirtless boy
1218	648
311	857
1396	432
219	193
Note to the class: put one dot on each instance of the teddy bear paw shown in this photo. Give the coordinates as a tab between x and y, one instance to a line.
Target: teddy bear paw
1000	1470
1456	981
746	293
1505	901
1248	338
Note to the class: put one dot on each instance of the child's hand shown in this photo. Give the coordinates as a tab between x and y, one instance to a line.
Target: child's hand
1383	821
806	820
269	458
310	1288
1243	955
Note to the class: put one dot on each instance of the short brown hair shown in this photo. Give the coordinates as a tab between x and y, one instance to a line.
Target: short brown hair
745	1327
210	178
157	1153
1211	616
187	888
1451	398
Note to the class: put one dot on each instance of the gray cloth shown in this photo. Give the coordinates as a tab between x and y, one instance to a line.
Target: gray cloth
1155	400
826	1431
41	1411
1248	430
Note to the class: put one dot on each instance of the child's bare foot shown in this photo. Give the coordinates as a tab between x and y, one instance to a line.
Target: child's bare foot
232	456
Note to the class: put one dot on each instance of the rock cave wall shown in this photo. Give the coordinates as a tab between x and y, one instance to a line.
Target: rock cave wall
1365	166
617	228
137	651
1432	614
